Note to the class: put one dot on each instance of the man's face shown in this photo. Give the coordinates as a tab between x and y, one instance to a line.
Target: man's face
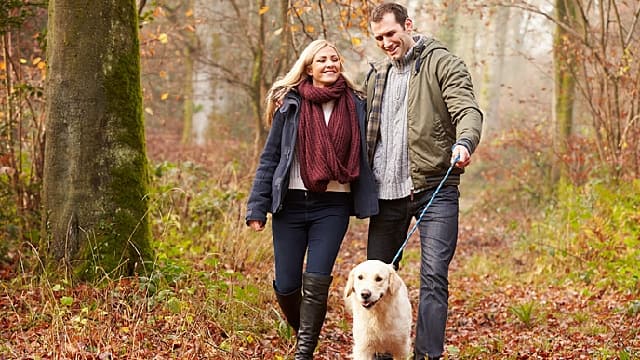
391	37
325	67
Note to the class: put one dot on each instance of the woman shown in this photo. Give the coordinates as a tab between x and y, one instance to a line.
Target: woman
312	176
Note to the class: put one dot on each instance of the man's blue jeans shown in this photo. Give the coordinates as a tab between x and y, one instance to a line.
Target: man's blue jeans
438	238
309	223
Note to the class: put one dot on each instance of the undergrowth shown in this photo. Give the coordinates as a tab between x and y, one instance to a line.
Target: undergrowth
592	234
208	293
583	229
559	257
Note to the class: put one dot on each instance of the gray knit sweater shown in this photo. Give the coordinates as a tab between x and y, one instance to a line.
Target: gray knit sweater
391	161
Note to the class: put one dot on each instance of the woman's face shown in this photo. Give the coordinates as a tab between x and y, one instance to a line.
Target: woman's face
325	67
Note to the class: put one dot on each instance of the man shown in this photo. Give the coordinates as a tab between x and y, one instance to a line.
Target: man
422	115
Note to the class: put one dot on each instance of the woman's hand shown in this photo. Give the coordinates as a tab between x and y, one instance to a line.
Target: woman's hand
256	225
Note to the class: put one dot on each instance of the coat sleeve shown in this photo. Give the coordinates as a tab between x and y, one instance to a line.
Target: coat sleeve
457	91
260	197
364	188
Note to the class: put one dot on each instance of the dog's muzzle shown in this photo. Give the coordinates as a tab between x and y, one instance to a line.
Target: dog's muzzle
365	295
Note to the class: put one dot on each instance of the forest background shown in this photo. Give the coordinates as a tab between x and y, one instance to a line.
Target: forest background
161	265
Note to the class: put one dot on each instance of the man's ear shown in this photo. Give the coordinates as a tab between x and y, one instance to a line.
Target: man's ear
408	25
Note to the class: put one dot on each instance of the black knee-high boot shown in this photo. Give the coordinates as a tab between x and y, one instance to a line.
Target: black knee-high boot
290	306
315	291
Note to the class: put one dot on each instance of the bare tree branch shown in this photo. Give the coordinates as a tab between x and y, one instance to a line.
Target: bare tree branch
304	26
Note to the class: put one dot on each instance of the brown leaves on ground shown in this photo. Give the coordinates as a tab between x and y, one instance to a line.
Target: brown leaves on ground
488	317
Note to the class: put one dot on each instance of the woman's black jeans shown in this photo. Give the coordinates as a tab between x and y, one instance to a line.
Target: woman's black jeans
438	239
309	223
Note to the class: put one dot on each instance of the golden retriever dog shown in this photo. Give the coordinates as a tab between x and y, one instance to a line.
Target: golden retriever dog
379	302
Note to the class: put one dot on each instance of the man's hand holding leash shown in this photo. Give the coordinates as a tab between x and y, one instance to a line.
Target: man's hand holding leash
462	155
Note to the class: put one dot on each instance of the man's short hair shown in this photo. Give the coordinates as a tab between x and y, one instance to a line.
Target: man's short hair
399	11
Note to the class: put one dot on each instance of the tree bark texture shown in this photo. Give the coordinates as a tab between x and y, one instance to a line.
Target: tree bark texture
257	83
96	174
188	107
565	84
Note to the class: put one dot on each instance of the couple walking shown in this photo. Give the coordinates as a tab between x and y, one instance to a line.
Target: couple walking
331	154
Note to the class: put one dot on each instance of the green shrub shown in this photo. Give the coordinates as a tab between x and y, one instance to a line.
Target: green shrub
592	233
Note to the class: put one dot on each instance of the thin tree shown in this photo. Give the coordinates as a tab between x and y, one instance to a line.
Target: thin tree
257	84
21	113
501	16
447	32
564	82
96	175
191	42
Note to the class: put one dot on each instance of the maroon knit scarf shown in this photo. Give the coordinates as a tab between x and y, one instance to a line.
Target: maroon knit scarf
327	152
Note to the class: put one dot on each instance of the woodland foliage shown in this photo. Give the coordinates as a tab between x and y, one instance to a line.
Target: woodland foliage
599	42
543	270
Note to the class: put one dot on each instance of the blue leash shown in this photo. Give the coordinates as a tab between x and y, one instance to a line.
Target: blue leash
415	226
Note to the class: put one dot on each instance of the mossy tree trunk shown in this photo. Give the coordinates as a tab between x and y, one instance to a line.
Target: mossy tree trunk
565	84
187	108
96	176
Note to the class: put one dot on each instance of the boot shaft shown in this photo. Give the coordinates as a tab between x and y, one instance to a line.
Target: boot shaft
290	306
313	310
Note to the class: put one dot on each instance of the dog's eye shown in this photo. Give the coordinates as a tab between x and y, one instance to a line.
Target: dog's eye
378	278
360	277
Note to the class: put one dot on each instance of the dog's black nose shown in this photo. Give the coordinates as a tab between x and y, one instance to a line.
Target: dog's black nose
365	294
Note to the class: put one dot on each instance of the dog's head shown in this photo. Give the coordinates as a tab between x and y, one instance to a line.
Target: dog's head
370	281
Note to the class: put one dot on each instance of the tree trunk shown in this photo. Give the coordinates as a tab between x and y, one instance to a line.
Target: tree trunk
187	109
257	87
205	95
564	87
286	43
501	19
447	33
96	177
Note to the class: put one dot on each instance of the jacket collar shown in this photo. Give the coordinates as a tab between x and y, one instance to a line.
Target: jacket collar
291	99
424	45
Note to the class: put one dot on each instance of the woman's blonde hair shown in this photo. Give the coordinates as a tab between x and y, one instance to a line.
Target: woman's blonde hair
297	75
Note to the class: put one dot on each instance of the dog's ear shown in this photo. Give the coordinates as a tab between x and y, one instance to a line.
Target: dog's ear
348	288
394	280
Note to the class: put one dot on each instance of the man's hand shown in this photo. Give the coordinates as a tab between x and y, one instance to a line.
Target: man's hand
464	157
256	225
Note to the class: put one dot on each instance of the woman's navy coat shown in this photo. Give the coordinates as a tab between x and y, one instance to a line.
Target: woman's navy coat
272	176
